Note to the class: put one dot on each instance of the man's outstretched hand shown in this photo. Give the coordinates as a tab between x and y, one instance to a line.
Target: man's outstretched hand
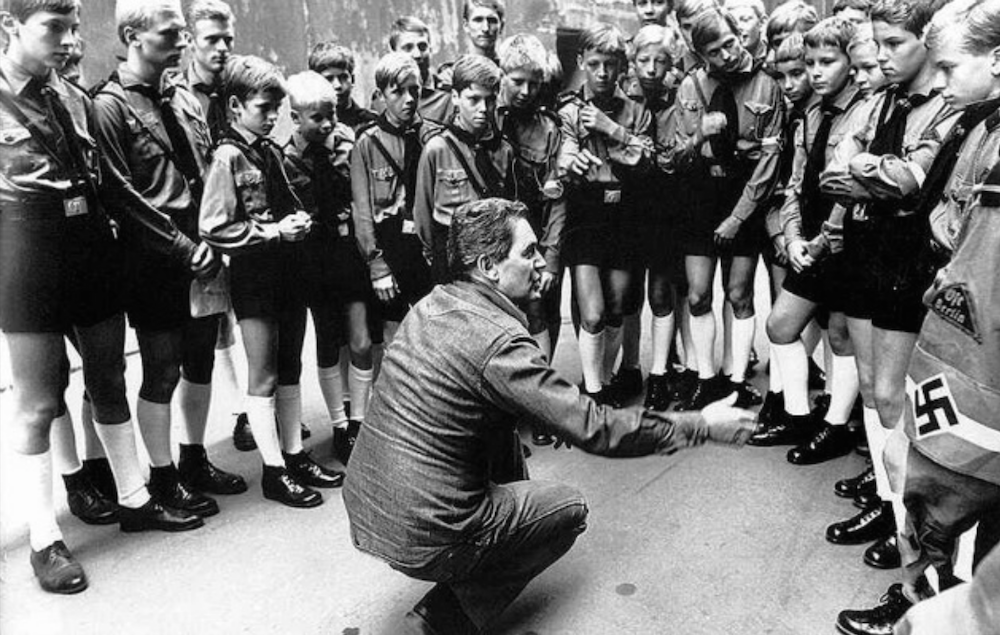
724	423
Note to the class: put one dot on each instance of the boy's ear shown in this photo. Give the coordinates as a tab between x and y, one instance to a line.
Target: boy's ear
234	104
579	61
296	117
128	34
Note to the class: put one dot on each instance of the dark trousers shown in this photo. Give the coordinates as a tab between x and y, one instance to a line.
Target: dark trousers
526	526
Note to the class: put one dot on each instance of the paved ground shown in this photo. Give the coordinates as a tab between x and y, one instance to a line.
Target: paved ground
708	542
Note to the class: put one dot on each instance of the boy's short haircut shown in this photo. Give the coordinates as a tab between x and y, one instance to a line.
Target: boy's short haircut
139	14
794	16
980	25
331	55
912	15
603	38
308	90
835	32
863	36
394	69
496	5
757	6
475	69
860	5
553	69
710	26
21	10
687	9
523	52
654	35
209	10
247	75
407	24
792	49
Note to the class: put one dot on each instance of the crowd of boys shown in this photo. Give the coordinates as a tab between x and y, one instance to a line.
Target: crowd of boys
855	153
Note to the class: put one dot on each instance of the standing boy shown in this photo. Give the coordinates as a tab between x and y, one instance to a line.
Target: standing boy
336	64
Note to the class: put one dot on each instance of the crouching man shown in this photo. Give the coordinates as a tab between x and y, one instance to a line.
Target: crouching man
438	486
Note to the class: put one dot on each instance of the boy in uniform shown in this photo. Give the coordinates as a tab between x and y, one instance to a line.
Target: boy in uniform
336	64
410	35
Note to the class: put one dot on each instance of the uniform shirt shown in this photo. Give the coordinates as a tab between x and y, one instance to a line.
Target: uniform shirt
28	171
794	120
131	133
536	138
760	106
354	116
628	146
442	183
434	105
242	204
663	124
796	222
378	191
331	206
209	95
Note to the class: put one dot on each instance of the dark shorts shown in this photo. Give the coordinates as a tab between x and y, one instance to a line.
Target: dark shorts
404	255
56	272
267	282
333	270
708	201
903	273
823	284
157	291
859	274
606	235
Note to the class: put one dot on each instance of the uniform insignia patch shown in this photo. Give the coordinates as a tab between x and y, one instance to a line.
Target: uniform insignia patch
934	408
954	305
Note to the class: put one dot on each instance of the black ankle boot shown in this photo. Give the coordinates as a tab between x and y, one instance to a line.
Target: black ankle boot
198	473
309	472
849	487
829	443
166	487
279	485
99	474
86	502
871	524
343	441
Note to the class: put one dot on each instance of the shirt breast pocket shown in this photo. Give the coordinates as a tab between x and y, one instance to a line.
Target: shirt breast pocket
453	188
147	152
250	188
383	186
17	154
760	118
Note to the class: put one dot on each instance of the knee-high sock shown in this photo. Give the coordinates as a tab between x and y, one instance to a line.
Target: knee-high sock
360	383
345	368
690	359
194	401
843	389
35	476
592	359
226	365
794	376
631	338
92	448
876	445
332	386
544	343
63	442
775	383
743	330
288	409
703	339
662	335
154	425
262	416
612	344
727	338
827	362
119	443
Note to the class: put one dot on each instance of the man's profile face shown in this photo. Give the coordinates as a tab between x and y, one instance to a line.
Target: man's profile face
520	273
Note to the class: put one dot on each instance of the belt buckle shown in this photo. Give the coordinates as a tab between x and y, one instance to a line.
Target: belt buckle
612	196
76	206
409	227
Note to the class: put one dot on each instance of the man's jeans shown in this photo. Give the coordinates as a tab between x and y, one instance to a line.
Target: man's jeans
525	527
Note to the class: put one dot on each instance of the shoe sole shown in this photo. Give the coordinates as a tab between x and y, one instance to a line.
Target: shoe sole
173	528
67	591
294	505
825	459
97	522
883	566
855	541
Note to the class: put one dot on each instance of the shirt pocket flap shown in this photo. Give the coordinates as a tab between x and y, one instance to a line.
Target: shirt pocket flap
452	177
383	174
757	108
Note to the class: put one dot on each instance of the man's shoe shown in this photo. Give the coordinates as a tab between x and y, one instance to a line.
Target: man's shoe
165	486
155	515
871	524
747	396
309	472
627	384
817	378
198	473
791	430
344	439
879	620
542	438
99	474
242	434
829	443
849	487
57	570
86	502
279	485
884	554
657	393
773	409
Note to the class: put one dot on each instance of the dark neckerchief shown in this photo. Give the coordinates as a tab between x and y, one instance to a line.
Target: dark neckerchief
266	156
483	149
411	155
889	140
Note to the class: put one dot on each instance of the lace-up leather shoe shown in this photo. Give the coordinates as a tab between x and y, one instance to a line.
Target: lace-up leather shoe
849	487
344	439
99	474
165	486
878	620
57	570
198	473
278	485
242	434
657	393
309	472
86	502
871	524
791	430
884	554
829	443
155	516
627	384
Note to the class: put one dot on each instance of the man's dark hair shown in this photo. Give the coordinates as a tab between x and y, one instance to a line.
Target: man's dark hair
482	228
21	10
912	15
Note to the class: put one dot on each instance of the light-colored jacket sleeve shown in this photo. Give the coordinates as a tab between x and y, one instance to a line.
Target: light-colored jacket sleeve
223	221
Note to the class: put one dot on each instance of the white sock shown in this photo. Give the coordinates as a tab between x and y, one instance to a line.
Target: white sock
63	443
898	510
775	382
288	408
690	359
345	369
843	389
727	339
119	443
631	339
591	359
612	344
877	436
92	448
743	330
261	413
332	387
661	336
703	339
360	383
794	375
827	362
544	343
154	425
194	401
35	476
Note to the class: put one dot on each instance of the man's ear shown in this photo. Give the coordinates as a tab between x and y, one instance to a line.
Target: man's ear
488	268
8	23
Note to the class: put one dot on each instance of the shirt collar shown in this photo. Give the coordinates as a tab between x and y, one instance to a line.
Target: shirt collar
846	97
19	78
197	80
588	95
